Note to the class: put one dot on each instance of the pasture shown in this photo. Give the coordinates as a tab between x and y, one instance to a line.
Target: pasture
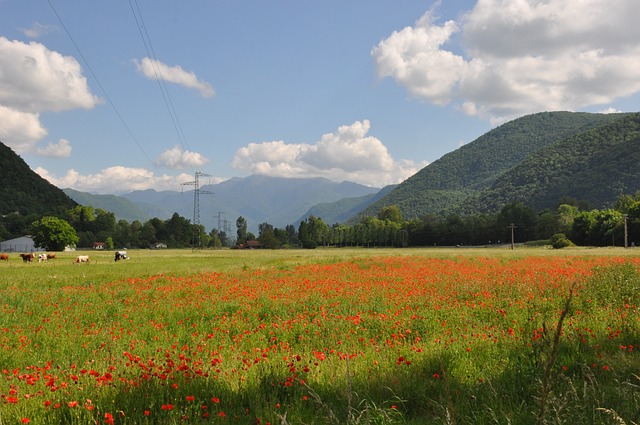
355	336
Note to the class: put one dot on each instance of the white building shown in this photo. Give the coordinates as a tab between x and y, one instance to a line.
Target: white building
21	244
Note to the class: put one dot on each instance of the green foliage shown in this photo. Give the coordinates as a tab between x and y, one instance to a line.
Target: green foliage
391	213
456	180
560	240
53	234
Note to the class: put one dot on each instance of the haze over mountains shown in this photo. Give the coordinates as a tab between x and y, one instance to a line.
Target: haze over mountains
259	199
536	159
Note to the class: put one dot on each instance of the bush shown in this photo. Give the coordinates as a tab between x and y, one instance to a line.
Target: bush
560	240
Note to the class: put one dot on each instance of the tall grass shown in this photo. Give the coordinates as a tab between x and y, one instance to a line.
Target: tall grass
323	336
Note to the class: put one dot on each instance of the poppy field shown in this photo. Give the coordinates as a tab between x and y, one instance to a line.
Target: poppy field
326	337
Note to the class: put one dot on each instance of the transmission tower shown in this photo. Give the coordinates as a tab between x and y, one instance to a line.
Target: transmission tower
196	206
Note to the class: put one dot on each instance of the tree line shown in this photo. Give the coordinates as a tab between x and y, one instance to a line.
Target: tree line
572	222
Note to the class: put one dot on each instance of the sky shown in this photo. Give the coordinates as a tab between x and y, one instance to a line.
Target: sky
113	96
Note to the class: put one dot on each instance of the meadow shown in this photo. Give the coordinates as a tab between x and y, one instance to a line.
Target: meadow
325	336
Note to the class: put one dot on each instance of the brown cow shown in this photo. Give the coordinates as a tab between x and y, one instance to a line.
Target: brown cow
27	258
4	257
51	256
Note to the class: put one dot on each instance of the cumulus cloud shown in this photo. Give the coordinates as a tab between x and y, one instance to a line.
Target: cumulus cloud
505	58
176	158
34	79
348	154
153	69
62	149
115	180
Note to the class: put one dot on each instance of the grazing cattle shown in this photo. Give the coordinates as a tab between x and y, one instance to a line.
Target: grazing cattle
4	257
42	257
27	258
81	259
51	256
121	255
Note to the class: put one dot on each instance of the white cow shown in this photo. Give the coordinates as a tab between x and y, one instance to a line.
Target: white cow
42	257
81	259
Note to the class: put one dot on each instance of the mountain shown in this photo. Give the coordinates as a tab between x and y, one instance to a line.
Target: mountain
460	176
594	166
342	210
22	190
122	208
259	199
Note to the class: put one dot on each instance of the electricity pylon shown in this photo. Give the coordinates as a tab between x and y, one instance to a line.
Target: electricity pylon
196	206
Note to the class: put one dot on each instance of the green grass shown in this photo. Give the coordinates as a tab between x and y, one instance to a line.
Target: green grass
322	336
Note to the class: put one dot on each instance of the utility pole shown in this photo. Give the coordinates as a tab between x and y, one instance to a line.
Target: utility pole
626	245
512	227
196	206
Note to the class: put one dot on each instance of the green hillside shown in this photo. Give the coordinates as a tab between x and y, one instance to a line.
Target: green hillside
122	208
461	175
594	166
24	191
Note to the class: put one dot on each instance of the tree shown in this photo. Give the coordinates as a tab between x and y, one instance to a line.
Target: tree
391	213
241	225
53	233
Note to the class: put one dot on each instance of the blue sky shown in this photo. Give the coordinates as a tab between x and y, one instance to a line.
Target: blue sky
114	96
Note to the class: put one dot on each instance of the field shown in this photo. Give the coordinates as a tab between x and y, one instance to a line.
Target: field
325	336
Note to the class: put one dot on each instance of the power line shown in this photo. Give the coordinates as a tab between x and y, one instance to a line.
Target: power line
146	40
95	77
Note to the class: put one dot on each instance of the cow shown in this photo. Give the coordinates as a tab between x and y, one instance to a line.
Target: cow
42	257
51	256
27	258
121	255
81	259
4	257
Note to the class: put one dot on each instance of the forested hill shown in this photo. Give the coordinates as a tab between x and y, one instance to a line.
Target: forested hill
594	166
460	175
24	191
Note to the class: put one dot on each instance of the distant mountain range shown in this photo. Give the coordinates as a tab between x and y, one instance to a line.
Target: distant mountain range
536	159
259	199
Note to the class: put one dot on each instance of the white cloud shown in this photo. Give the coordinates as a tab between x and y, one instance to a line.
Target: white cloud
115	180
153	69
37	30
177	159
20	130
609	110
34	79
348	154
519	57
62	149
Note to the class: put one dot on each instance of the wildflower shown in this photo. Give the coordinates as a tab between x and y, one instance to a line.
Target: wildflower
215	399
72	403
191	398
222	414
25	420
108	419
